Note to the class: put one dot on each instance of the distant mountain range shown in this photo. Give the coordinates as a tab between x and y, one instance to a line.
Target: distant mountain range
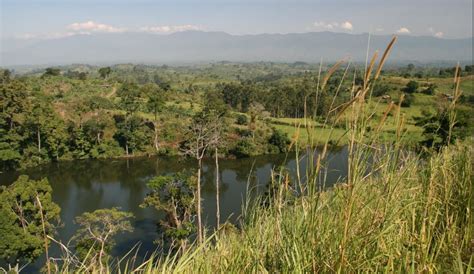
199	46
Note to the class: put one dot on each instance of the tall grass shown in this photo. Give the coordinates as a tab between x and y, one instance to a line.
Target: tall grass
407	219
394	211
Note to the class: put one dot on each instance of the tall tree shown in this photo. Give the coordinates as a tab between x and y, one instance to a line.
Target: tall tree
132	133
174	195
198	141
155	103
97	229
105	72
28	218
14	107
130	99
215	109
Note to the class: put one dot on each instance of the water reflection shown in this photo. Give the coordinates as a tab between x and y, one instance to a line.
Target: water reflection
81	186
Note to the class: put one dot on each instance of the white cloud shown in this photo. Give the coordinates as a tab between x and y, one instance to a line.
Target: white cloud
84	28
92	26
403	30
324	25
169	29
51	35
379	29
437	34
347	25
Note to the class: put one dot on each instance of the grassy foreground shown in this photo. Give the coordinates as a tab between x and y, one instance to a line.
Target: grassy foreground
415	216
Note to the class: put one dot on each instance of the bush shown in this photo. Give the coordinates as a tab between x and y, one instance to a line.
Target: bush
380	89
107	149
280	140
430	90
411	87
407	101
244	148
242	119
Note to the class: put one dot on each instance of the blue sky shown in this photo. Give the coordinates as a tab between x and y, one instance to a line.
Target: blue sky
53	18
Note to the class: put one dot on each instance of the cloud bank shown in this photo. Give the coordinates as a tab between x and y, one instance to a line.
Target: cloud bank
90	27
346	25
169	29
403	30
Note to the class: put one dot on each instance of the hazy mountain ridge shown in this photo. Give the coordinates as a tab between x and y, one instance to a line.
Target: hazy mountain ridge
198	46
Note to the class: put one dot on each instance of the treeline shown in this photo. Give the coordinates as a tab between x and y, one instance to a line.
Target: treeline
130	110
37	127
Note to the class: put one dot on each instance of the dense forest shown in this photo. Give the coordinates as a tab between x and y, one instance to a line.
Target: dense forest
80	111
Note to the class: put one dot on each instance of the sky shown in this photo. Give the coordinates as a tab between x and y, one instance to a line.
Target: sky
46	19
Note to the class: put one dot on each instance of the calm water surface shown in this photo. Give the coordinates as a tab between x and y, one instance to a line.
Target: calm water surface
83	186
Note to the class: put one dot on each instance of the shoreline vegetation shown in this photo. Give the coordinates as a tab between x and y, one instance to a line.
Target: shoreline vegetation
397	210
81	112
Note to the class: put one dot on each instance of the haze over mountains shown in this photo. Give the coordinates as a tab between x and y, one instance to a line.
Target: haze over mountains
199	46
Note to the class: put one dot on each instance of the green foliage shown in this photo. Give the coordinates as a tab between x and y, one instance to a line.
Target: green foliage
129	94
14	106
105	72
94	238
407	100
132	134
242	120
148	109
173	195
47	130
155	98
80	75
106	149
469	69
52	72
411	87
280	140
380	89
5	76
430	89
214	104
437	129
238	96
244	148
24	206
374	224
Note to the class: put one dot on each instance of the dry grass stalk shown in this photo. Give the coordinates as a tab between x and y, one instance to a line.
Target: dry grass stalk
384	57
369	69
385	115
330	72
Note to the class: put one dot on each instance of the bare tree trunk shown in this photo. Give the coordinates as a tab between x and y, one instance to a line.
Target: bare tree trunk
102	246
45	237
38	135
156	136
126	148
218	211
199	200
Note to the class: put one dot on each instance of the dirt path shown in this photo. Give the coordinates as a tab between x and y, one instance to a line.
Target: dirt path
112	93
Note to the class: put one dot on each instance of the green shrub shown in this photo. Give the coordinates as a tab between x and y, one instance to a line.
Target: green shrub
280	140
411	87
242	119
244	148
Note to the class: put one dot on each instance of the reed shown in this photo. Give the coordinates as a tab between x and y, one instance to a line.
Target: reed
395	211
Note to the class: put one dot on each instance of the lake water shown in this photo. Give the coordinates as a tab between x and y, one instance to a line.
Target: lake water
83	186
